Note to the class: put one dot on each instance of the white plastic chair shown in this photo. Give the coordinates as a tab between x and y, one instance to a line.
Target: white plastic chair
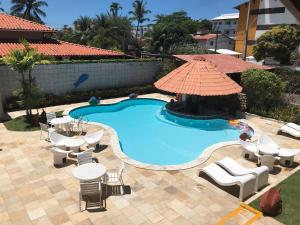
93	139
57	139
267	141
249	149
77	126
47	129
286	156
114	177
219	175
88	189
50	116
59	156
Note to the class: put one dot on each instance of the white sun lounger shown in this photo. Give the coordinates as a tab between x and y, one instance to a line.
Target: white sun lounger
261	173
219	175
291	129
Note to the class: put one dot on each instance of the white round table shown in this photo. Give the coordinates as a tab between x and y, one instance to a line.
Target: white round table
62	121
89	171
74	143
268	150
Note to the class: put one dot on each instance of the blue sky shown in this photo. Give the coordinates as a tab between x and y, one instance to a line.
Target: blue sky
60	12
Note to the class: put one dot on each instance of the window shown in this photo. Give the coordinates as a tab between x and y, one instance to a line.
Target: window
220	23
228	23
211	43
227	32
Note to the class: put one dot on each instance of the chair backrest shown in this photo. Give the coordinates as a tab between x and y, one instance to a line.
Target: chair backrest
96	135
44	127
50	116
121	169
85	157
89	188
56	137
266	140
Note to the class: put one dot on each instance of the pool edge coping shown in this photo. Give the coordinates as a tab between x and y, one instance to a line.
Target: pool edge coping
116	148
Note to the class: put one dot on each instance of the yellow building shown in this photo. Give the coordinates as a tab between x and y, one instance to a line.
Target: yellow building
264	15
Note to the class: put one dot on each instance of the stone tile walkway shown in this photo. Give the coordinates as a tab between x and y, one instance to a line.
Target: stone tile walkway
33	191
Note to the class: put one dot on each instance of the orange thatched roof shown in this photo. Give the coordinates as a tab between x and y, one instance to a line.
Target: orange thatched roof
198	77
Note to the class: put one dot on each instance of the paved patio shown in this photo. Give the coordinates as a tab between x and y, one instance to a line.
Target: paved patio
33	191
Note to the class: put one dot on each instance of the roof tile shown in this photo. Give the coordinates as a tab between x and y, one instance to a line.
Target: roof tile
9	22
198	77
225	63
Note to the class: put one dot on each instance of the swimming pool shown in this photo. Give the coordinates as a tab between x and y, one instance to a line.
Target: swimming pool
150	135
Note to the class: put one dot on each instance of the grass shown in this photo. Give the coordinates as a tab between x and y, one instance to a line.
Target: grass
290	195
22	124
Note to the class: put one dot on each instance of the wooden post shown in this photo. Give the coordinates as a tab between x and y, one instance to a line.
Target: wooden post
247	31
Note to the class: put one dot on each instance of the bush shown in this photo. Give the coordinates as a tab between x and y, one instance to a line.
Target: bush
74	97
291	77
287	113
264	89
167	66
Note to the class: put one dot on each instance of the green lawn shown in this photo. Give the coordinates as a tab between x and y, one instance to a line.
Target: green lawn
21	124
290	195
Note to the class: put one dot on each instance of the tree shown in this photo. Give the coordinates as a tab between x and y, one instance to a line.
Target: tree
171	31
264	89
23	62
138	15
1	9
29	9
114	10
279	43
83	27
204	25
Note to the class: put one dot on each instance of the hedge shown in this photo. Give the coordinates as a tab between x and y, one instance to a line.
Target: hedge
83	96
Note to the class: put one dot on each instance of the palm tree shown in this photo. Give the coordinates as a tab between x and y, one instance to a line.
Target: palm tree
114	10
23	62
1	9
29	9
83	29
138	15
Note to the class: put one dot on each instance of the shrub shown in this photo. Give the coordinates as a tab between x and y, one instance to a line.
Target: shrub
291	77
264	89
74	97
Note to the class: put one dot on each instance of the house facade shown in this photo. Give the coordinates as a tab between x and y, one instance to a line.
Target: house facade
264	15
211	41
226	24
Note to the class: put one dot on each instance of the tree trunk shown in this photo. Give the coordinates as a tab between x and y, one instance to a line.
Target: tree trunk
29	90
136	36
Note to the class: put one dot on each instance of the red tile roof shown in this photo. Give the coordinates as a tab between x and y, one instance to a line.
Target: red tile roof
198	77
8	22
204	37
59	49
225	63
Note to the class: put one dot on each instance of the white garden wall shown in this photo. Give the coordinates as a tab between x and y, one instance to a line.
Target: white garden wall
60	78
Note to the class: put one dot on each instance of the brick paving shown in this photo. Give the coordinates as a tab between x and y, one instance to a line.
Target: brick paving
33	191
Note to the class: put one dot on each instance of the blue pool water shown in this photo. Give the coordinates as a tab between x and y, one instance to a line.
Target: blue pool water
149	134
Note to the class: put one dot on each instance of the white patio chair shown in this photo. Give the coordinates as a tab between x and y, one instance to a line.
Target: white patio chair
85	157
59	156
57	139
249	149
50	116
47	129
89	189
267	160
267	142
261	173
286	156
219	175
114	177
93	139
78	126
